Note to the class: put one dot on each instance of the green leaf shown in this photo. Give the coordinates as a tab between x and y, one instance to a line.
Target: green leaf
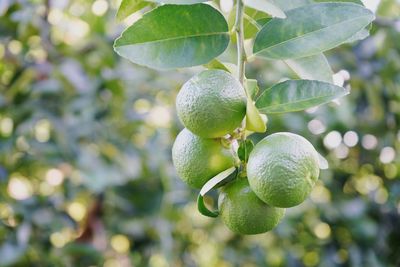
286	5
314	67
175	36
201	207
244	150
296	95
180	2
359	2
252	88
361	35
218	180
267	6
250	26
254	120
129	7
215	64
310	30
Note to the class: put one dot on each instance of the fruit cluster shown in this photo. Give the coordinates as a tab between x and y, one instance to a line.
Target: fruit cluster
279	173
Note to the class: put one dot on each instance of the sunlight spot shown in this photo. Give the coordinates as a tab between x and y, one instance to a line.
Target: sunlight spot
77	211
15	47
316	127
42	131
19	188
159	117
120	243
141	106
54	177
322	230
341	152
387	155
332	140
381	196
350	138
55	16
6	126
99	7
369	141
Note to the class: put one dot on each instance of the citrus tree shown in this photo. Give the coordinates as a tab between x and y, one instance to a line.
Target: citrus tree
220	107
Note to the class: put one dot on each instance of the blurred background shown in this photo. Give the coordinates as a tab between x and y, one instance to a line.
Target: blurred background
86	177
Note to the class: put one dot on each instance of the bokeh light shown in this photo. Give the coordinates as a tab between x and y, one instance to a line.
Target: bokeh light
332	139
120	243
19	187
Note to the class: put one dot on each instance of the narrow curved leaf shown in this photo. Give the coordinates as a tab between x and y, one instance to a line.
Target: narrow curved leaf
175	36
201	207
129	7
213	182
267	6
314	67
218	180
296	95
310	30
254	121
252	88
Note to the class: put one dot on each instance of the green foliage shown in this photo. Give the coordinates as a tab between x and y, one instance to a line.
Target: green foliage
173	36
310	30
128	7
295	95
266	6
314	67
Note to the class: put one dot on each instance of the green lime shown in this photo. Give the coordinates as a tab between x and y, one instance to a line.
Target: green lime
197	159
243	212
211	104
282	169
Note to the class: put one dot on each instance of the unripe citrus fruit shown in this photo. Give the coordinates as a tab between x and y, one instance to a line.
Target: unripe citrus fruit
211	104
243	212
197	159
282	169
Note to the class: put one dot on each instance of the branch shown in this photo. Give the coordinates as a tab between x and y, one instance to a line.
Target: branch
240	40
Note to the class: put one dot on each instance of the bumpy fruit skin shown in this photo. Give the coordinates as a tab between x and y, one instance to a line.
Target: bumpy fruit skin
211	104
243	212
197	159
282	169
